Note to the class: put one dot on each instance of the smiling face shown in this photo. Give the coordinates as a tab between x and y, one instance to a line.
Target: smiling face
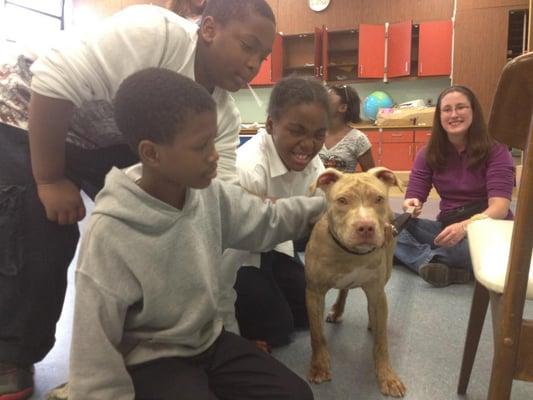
299	133
191	159
455	115
234	51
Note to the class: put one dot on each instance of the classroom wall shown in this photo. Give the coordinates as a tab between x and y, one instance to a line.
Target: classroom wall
400	91
294	16
479	49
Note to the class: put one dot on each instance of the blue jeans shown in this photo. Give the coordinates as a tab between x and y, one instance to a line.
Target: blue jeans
416	247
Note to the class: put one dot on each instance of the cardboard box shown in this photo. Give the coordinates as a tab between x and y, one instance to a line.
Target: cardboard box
425	116
412	116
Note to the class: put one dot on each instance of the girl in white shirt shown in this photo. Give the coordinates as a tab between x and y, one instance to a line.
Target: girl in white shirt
280	161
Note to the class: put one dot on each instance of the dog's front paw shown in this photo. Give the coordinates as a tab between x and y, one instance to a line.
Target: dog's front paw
319	374
390	384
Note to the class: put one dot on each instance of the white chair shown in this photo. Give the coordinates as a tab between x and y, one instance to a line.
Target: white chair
501	251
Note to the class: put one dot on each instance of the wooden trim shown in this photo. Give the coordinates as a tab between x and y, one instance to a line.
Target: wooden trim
530	27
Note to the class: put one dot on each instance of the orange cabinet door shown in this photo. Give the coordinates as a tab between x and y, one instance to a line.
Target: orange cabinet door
435	48
397	149
397	156
421	138
371	51
399	38
276	58
319	42
375	140
264	76
397	136
325	54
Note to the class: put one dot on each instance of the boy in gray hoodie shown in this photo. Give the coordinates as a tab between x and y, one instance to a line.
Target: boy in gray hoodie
147	283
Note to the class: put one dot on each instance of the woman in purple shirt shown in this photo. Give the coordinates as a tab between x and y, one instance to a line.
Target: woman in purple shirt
472	175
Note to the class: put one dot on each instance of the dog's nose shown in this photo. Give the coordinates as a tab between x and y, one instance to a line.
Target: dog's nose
365	229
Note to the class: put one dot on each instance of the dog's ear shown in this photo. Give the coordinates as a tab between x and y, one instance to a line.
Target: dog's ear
387	176
326	179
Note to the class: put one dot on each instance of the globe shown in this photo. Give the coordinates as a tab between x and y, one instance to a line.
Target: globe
374	101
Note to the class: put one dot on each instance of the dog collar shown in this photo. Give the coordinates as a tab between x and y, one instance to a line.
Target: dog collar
346	248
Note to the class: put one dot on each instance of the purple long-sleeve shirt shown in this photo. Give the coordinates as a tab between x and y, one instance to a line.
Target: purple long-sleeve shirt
458	185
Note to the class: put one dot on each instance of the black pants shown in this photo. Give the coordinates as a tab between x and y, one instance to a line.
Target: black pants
231	369
34	252
271	299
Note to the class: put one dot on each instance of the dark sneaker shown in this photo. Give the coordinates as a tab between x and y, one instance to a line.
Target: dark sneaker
440	275
58	393
16	382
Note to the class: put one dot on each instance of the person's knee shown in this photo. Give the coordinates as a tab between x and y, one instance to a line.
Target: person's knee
300	389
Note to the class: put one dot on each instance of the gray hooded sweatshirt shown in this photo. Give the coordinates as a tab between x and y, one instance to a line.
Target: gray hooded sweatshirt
147	281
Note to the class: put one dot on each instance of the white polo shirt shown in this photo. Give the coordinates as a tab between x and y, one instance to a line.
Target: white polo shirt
262	172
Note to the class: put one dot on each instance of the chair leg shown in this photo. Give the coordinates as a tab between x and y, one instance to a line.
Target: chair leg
478	311
503	362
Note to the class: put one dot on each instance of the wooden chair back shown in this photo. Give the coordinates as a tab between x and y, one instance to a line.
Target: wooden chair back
511	122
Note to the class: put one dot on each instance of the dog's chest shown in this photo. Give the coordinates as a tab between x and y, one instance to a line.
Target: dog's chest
355	278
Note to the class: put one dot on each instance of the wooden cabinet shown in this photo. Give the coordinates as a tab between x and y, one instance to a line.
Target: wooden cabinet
374	138
339	54
371	51
385	50
299	55
421	138
435	48
399	38
276	59
264	76
396	148
295	16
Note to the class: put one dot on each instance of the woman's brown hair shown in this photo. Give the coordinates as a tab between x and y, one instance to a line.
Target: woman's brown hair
478	142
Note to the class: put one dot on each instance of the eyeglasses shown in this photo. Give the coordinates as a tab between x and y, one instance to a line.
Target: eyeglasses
459	109
346	93
337	88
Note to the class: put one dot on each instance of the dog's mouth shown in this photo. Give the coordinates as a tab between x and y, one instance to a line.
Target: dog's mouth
357	249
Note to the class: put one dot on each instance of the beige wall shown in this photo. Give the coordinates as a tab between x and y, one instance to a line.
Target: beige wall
480	44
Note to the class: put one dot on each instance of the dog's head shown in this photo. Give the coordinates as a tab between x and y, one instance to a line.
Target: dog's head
358	206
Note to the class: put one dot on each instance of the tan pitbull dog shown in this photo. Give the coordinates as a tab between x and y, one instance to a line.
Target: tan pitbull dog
352	246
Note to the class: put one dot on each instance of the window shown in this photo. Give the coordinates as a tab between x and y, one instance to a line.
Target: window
21	18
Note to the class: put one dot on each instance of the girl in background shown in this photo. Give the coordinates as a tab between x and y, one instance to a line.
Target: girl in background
345	146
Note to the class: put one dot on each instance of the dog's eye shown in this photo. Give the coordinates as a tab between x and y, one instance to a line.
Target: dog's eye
380	199
342	200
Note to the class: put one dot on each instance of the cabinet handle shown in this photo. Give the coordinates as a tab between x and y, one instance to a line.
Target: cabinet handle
406	66
321	70
361	69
